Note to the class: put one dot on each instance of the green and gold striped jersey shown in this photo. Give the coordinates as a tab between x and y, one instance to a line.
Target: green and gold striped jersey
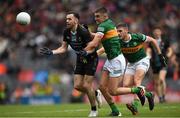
133	50
110	40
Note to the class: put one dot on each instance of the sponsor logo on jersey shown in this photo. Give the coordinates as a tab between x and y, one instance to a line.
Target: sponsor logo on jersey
132	49
117	71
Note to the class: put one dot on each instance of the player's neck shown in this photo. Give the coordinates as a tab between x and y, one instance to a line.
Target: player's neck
73	29
127	38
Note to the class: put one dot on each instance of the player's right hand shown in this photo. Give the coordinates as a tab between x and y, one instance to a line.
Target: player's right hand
46	51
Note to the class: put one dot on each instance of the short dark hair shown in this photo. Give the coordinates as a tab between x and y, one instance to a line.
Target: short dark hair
122	25
75	14
101	10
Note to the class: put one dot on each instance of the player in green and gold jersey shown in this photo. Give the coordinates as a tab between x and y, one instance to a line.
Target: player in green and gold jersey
114	66
132	46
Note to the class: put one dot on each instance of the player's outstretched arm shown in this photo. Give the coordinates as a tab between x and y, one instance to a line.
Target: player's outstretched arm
48	52
91	46
155	44
94	43
61	49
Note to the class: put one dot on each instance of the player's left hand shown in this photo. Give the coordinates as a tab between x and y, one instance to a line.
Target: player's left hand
163	60
82	53
46	51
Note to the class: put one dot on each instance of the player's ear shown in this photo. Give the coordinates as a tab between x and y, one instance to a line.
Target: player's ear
76	20
126	29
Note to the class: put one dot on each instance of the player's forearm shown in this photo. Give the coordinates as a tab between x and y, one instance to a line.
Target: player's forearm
148	52
59	51
157	47
155	44
93	44
169	52
92	34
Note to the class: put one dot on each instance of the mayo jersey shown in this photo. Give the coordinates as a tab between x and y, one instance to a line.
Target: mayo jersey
133	50
110	40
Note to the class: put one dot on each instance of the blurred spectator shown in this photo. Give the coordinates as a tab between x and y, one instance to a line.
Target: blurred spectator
2	93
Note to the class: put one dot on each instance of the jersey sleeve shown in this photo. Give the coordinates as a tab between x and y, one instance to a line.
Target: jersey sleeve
101	29
141	37
64	36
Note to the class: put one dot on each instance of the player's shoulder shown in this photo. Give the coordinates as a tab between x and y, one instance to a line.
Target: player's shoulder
138	36
82	28
106	23
66	30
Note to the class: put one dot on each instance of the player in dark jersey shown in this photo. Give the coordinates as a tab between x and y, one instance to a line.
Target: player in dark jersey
159	72
77	37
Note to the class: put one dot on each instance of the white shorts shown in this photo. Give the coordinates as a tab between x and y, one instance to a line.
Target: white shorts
142	64
115	66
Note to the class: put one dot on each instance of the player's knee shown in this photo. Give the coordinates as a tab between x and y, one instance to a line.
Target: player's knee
161	81
87	86
125	85
102	87
78	87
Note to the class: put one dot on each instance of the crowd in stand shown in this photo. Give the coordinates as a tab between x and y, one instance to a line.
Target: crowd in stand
21	65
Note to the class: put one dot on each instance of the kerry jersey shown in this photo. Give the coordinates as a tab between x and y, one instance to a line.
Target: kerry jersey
133	50
110	40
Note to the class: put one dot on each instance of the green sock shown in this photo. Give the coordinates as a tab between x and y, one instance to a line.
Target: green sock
136	102
148	94
113	107
135	90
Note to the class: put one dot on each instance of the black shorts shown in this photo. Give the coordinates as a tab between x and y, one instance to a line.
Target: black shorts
86	65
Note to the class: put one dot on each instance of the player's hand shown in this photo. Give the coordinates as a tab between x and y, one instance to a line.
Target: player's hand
46	51
163	60
82	53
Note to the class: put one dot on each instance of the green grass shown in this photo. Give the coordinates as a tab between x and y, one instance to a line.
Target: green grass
82	110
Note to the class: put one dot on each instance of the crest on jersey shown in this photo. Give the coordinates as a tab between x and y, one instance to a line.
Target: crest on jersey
134	43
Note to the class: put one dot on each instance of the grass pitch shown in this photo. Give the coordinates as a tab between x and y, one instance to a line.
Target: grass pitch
82	110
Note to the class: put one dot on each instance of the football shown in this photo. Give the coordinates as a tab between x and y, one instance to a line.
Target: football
23	18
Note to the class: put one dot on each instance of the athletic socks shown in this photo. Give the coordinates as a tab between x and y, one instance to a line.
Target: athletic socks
93	108
162	99
135	90
136	102
96	92
148	94
113	107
